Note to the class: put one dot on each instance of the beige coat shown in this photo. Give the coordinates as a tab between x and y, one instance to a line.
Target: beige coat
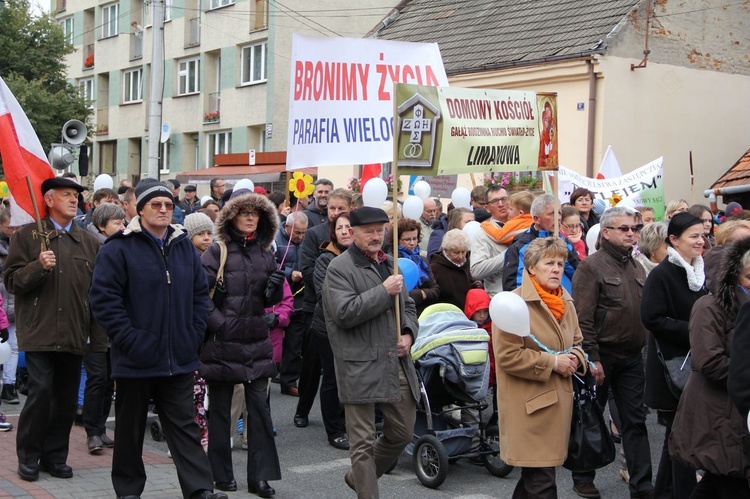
534	403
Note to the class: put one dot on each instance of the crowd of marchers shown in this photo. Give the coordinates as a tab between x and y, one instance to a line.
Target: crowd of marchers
160	298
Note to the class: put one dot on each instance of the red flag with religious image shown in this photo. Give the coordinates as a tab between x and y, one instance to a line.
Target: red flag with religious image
23	157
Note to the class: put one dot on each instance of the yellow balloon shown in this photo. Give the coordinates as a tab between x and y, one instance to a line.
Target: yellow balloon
4	192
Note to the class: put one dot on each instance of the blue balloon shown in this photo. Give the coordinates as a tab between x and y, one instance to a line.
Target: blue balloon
410	272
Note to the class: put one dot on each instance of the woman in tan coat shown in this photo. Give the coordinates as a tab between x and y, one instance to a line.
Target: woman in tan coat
535	392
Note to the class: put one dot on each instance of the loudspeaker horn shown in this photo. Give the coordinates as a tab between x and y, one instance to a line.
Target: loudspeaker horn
60	157
74	132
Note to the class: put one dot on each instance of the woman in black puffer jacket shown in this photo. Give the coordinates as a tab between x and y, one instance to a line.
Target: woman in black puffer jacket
238	348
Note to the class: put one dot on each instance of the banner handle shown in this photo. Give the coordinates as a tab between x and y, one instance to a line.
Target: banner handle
394	224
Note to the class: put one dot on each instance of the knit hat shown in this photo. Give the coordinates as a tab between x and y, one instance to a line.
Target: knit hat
147	189
195	223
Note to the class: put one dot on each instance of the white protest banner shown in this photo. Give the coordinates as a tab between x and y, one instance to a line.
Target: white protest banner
341	110
644	186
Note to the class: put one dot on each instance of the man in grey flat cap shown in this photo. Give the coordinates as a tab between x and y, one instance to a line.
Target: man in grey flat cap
372	358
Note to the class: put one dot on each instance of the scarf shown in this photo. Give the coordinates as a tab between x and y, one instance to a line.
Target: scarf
695	275
424	270
492	230
554	301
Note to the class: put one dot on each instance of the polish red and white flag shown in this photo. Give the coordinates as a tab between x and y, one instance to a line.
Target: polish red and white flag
609	168
23	157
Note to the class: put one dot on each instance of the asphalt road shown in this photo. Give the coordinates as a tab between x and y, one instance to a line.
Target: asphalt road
312	469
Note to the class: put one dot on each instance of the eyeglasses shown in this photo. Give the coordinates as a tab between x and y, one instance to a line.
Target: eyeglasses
625	228
409	239
497	200
248	213
158	205
573	227
583	200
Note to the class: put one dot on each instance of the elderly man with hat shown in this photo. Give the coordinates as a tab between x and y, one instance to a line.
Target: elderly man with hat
49	272
149	292
191	203
372	358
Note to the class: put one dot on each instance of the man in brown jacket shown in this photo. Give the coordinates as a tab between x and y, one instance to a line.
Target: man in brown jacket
50	274
607	289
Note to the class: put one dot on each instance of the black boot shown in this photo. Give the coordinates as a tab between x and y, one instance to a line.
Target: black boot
9	394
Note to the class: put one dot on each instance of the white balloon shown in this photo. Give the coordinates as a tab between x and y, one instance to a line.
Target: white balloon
422	189
4	352
461	197
204	199
510	313
103	181
471	229
375	192
413	208
591	237
244	183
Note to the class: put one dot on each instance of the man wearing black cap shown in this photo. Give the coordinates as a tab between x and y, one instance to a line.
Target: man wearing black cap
177	215
191	203
150	294
49	272
373	360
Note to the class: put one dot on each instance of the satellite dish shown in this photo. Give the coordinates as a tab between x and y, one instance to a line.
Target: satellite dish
166	131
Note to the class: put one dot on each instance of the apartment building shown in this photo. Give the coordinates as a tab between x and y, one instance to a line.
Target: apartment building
226	73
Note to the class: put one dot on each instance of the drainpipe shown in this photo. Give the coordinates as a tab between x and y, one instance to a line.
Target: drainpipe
591	121
725	191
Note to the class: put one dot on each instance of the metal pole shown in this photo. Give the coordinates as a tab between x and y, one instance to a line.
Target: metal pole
157	90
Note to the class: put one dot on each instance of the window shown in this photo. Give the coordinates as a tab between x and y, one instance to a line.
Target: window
86	86
67	27
168	10
164	158
147	16
189	76
132	85
254	64
217	143
215	4
110	14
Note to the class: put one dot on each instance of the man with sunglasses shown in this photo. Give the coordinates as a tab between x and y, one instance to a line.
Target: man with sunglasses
487	253
607	289
150	294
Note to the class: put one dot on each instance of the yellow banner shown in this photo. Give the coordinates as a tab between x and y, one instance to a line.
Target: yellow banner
449	130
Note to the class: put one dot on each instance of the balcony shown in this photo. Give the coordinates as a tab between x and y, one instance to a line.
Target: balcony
102	121
136	43
88	56
214	108
193	35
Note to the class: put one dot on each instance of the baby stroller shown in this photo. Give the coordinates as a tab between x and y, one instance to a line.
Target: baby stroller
452	362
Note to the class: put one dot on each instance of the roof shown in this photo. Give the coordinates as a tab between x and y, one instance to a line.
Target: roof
267	168
487	34
738	174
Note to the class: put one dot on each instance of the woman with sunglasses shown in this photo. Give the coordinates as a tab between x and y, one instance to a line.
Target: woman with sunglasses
238	348
668	297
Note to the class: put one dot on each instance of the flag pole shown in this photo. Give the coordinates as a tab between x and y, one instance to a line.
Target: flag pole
394	225
37	216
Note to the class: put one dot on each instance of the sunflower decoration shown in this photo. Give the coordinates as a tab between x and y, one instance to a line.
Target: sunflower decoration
301	185
614	200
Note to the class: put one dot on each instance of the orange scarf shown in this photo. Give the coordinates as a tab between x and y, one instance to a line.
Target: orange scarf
554	301
506	233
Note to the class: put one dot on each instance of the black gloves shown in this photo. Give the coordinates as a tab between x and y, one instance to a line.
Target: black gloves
4	335
272	320
274	288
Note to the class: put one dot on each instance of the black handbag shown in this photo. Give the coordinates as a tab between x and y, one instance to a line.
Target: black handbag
676	370
590	446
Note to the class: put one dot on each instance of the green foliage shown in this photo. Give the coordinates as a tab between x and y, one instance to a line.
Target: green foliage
32	63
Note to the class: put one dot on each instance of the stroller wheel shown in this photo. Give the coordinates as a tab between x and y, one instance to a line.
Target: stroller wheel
496	466
156	432
430	461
